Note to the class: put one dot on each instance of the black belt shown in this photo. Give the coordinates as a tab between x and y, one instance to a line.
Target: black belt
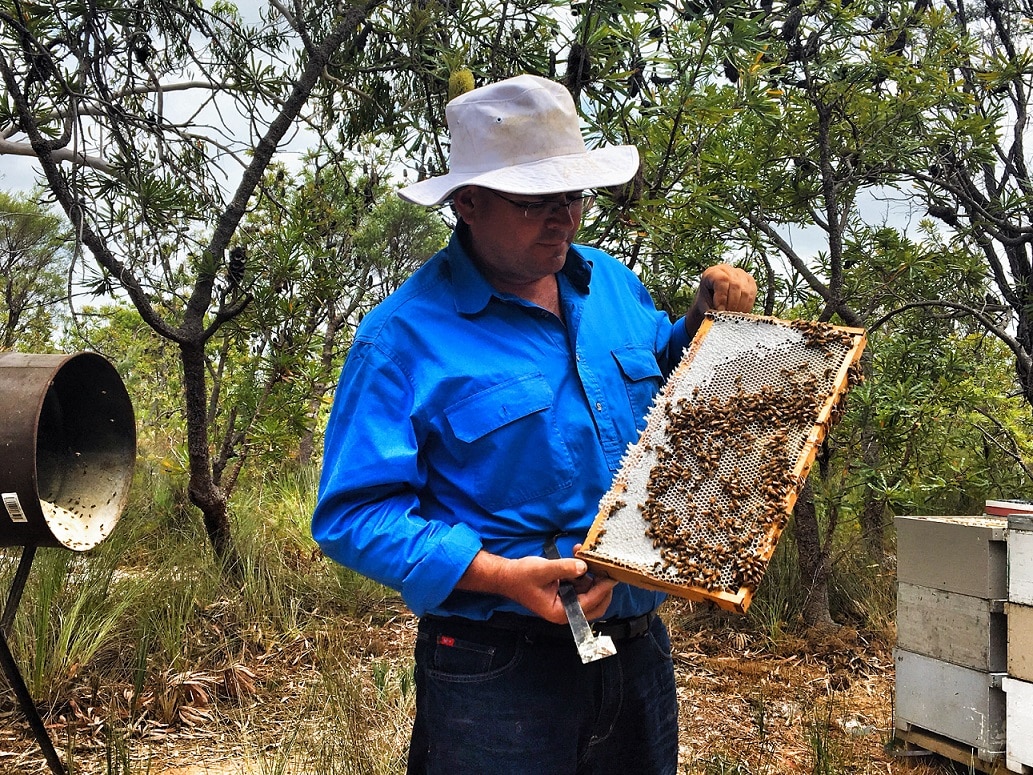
535	628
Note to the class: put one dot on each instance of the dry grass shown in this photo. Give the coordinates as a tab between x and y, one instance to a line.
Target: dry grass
338	700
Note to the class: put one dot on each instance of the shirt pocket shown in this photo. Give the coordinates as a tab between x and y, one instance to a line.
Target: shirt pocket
642	379
508	444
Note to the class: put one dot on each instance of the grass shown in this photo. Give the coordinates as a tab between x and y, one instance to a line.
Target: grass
305	666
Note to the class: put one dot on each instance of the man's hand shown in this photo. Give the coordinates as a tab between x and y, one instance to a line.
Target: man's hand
727	288
534	583
723	288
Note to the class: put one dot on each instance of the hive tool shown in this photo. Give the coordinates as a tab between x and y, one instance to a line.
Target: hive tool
590	647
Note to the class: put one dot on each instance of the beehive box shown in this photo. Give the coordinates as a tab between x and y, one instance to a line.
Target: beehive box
1020	560
701	498
1019	725
965	555
963	705
961	629
1020	608
1020	642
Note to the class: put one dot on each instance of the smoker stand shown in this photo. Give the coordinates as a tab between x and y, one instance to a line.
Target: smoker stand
10	667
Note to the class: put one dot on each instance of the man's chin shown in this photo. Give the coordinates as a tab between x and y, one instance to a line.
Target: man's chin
557	252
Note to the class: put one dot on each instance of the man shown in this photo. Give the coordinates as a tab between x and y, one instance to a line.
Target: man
483	410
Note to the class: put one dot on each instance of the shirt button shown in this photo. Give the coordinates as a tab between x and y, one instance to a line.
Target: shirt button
598	406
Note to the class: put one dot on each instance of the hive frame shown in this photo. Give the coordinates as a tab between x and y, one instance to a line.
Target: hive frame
700	500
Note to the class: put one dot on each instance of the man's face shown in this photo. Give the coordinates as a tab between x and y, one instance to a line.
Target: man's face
514	250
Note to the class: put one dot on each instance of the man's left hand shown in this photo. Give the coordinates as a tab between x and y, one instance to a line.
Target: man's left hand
725	288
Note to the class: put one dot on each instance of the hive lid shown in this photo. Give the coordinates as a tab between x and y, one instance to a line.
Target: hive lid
1004	508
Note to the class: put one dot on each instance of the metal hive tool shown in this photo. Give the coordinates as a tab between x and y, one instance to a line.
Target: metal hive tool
702	497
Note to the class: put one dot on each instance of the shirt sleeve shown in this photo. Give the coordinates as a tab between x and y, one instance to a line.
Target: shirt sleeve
367	514
670	339
676	345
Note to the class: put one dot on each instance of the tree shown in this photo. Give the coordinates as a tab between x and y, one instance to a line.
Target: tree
154	126
33	258
974	176
848	103
90	93
331	243
765	121
857	90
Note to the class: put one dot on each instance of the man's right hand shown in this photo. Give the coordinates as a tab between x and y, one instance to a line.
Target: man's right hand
534	582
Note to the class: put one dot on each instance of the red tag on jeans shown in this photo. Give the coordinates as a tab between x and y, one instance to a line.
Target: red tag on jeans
446	640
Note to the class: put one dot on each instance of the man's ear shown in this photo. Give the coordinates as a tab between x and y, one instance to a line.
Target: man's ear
464	200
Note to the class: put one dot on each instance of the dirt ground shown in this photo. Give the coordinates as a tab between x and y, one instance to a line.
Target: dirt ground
819	704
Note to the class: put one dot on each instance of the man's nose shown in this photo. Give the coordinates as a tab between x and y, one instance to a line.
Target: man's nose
562	214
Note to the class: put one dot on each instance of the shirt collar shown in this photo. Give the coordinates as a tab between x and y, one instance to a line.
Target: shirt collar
473	292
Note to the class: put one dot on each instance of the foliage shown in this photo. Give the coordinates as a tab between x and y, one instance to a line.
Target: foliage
787	122
92	95
330	244
142	359
973	169
67	618
33	257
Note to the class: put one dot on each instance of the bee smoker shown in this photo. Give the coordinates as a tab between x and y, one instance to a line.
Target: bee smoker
67	451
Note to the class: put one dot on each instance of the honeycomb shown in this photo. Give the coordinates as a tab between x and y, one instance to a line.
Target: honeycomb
702	497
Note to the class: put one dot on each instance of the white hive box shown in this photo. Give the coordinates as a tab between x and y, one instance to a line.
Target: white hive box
701	498
960	704
1019	684
1020	560
1019	757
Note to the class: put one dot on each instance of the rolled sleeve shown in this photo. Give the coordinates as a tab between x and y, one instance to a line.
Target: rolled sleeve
434	577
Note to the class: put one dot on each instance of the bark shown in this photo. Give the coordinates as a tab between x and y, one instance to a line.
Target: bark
873	528
203	491
813	560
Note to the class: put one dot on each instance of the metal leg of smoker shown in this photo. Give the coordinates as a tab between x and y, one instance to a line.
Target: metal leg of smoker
14	676
14	596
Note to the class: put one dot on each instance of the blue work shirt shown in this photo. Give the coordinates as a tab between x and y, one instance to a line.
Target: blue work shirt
469	419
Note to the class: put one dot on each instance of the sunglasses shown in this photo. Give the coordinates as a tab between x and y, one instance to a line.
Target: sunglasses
542	209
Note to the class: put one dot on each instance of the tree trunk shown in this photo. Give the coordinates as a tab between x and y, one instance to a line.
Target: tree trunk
204	493
813	560
335	322
873	530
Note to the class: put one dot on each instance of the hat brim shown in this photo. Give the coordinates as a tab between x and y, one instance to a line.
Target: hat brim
601	167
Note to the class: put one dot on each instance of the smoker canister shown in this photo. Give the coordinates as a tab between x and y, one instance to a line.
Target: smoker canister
67	449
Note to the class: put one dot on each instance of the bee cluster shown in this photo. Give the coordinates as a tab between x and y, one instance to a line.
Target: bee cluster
701	499
81	503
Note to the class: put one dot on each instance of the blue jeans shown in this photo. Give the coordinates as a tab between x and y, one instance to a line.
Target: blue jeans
498	701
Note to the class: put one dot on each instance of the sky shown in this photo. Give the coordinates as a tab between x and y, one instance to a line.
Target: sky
18	174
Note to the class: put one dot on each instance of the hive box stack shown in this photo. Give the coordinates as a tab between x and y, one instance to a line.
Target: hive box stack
952	651
1018	685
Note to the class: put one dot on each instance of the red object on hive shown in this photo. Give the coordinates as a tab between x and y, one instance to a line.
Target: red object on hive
1004	508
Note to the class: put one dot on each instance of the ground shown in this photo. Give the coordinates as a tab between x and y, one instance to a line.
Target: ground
751	704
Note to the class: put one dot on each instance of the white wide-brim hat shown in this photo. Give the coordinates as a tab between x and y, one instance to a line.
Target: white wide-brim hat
521	136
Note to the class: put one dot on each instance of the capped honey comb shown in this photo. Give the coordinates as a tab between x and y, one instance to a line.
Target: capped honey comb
701	498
